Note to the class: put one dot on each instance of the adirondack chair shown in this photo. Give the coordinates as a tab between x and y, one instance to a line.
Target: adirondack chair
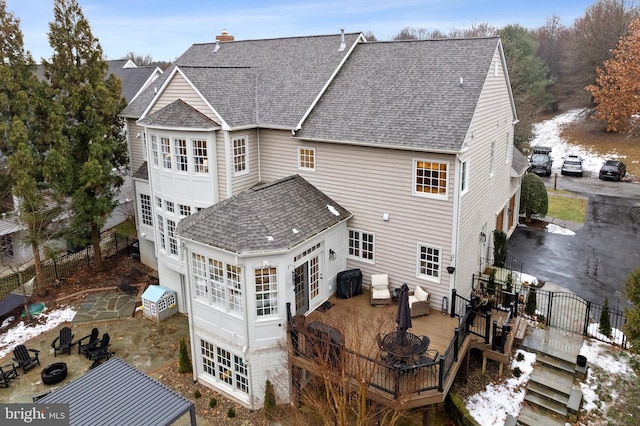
100	352
7	372
88	342
63	342
24	359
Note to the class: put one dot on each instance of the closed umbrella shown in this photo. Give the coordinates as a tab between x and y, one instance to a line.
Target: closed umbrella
403	318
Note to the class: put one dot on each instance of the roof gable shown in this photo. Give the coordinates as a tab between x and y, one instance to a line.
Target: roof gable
178	114
273	216
413	94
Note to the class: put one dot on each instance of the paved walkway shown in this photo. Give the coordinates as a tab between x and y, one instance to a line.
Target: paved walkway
105	305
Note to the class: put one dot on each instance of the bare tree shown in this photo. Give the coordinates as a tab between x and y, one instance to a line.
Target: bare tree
482	29
139	60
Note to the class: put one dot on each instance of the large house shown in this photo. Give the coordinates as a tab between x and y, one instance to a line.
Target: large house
266	167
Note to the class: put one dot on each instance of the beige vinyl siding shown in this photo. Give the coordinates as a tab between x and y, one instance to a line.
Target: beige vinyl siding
487	196
136	145
383	183
222	166
179	88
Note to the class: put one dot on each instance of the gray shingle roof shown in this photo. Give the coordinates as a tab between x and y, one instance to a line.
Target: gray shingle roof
179	114
405	94
276	79
118	394
142	172
244	222
519	162
136	108
132	78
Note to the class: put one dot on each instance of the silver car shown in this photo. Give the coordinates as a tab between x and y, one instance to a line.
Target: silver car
572	166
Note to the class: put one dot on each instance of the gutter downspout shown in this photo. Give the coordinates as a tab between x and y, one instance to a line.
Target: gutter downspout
228	162
456	221
194	364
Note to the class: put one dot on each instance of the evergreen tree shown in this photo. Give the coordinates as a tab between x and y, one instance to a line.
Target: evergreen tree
534	199
184	365
631	326
29	123
269	400
605	320
95	152
530	307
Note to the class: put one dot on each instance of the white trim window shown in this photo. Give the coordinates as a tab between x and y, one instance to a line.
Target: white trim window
159	202
464	176
165	146
145	210
266	291
173	241
492	160
161	231
361	245
154	150
200	158
306	158
431	178
429	262
240	156
224	281
184	210
199	270
180	149
170	206
224	366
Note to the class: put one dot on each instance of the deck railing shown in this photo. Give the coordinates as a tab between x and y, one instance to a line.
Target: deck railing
394	379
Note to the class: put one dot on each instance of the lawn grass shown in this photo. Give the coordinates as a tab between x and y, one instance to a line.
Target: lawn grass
565	206
128	228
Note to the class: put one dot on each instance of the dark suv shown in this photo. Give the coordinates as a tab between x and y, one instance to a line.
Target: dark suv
612	169
540	161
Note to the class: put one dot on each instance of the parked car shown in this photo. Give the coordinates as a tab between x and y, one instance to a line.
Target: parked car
612	169
572	165
540	161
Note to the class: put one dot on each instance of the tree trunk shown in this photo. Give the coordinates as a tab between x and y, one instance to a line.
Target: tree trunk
37	263
97	251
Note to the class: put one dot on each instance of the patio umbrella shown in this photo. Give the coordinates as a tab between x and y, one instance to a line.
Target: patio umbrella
403	318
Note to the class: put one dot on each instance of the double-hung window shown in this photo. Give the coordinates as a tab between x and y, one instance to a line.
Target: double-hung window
199	271
361	245
145	210
224	366
431	178
165	146
161	231
154	149
240	156
266	291
306	158
180	149
429	262
173	242
200	158
184	210
223	281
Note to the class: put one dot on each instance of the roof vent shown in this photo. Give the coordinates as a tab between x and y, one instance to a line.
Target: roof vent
343	45
215	49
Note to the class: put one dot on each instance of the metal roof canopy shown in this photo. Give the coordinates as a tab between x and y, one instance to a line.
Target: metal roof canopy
116	393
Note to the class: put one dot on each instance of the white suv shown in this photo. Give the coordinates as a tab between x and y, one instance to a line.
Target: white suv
572	165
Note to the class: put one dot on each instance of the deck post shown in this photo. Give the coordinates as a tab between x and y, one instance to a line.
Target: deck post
487	328
441	375
456	338
454	293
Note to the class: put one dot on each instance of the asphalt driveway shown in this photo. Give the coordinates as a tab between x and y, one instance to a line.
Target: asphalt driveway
598	259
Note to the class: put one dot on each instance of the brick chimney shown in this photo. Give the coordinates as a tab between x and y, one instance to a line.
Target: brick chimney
224	36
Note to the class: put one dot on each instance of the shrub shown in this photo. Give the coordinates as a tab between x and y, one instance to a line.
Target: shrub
631	327
499	248
269	399
491	285
231	412
184	365
530	307
213	402
517	372
605	319
533	196
520	357
197	393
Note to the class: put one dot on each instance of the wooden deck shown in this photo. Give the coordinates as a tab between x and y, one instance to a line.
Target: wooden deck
359	323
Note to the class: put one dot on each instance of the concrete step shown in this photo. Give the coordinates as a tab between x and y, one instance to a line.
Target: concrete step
558	364
544	403
551	378
548	393
530	416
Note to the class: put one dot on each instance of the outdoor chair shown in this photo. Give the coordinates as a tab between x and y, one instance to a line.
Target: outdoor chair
24	359
101	351
7	372
419	303
63	342
88	343
380	292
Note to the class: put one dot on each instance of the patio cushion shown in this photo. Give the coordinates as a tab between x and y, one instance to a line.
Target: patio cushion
412	299
380	282
380	293
420	293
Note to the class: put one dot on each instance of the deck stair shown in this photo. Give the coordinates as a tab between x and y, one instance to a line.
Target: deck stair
553	396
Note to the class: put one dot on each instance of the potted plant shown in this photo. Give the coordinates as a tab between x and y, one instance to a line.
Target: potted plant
499	248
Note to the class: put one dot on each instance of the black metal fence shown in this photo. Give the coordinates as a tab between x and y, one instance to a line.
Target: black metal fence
65	265
562	310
